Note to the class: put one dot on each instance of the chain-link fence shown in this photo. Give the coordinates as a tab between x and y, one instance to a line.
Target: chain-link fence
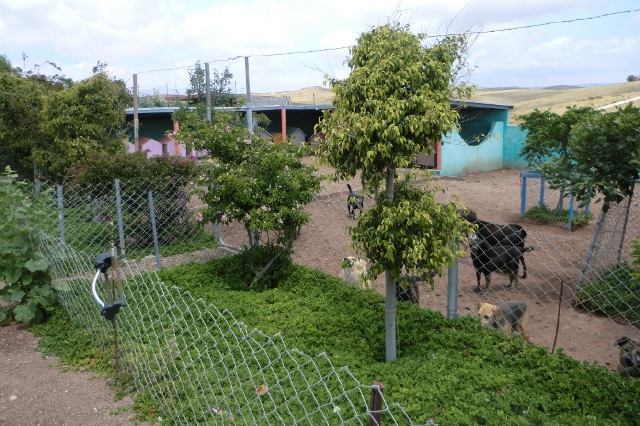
157	219
204	366
201	364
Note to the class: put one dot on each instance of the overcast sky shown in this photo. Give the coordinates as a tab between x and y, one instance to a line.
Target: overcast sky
160	39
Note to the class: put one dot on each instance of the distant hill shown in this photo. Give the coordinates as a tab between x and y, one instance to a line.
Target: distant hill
524	100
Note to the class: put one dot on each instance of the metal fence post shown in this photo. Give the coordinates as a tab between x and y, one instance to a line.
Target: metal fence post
452	292
63	239
119	213
523	196
542	184
154	230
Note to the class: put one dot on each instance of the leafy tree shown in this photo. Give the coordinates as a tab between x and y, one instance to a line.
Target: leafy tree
262	185
632	78
5	65
604	157
21	103
88	117
549	133
548	137
152	101
220	87
394	104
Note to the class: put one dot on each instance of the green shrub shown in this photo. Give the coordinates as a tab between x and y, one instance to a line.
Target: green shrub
616	294
170	178
25	271
544	214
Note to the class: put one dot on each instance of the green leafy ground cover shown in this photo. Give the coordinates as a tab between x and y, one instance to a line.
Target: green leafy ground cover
452	371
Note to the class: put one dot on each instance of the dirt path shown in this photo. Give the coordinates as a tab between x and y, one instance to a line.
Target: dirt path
33	392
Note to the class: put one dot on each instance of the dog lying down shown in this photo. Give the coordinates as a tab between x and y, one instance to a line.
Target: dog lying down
353	268
508	317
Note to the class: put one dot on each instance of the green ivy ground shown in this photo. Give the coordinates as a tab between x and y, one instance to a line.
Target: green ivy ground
452	371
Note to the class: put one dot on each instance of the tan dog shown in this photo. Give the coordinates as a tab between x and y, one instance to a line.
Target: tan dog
508	317
353	269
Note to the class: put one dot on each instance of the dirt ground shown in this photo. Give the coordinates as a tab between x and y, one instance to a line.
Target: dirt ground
33	392
556	262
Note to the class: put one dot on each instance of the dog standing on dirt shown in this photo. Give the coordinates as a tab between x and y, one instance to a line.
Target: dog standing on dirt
487	259
629	356
354	202
508	317
353	269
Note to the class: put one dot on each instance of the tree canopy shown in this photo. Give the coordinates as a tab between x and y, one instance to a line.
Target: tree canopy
549	133
395	103
219	87
604	157
250	180
88	117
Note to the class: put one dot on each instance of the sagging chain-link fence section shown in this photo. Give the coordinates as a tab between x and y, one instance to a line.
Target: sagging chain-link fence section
203	365
155	219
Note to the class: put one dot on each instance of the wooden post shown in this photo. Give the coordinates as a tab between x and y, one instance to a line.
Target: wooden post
136	121
283	123
375	408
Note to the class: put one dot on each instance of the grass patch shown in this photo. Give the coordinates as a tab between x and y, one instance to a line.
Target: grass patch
544	214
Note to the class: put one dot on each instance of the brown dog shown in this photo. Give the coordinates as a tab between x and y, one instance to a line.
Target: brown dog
508	317
629	356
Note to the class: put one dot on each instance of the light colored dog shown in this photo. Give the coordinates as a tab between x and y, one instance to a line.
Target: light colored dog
353	269
508	317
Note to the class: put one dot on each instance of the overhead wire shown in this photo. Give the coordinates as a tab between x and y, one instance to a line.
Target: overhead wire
565	21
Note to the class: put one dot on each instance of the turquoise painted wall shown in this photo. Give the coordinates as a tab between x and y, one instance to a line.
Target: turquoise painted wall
513	140
478	145
460	158
484	143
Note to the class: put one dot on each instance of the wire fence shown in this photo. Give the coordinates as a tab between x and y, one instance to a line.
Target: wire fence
155	219
206	367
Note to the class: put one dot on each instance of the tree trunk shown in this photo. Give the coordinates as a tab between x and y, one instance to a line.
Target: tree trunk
390	288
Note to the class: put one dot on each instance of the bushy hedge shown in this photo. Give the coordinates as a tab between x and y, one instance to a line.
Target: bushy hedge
616	294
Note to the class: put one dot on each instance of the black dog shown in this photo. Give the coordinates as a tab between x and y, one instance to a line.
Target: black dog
354	201
487	259
407	289
498	235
